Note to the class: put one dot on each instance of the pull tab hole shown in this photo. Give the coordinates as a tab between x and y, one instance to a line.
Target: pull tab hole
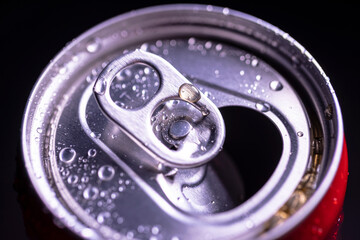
254	145
134	86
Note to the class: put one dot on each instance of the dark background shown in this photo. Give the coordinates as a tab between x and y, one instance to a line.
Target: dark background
31	35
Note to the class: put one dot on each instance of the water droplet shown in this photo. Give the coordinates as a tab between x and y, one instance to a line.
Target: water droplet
218	47
189	92
242	73
158	127
67	155
124	33
275	85
120	220
159	43
91	193
95	135
114	195
144	47
106	172
63	70
263	107
72	179
100	87
102	217
155	230
207	94
226	11
203	148
92	152
258	77
249	224
135	88
254	62
84	179
173	43
208	45
300	134
191	41
121	189
93	45
39	130
130	235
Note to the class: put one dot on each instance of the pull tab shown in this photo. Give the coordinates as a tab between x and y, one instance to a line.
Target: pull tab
162	112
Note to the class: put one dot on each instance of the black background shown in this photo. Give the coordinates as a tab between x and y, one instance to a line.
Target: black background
31	35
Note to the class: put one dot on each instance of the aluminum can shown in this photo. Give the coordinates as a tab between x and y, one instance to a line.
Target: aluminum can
187	122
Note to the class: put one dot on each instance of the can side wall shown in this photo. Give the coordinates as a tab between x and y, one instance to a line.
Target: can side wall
318	224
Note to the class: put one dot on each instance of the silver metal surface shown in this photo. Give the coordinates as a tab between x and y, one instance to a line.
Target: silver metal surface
207	137
91	175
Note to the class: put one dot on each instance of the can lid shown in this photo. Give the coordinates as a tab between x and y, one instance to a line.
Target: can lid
114	179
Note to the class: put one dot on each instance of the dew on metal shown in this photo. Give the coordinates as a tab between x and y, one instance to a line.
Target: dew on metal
275	85
106	173
189	93
92	152
254	62
93	45
67	155
262	107
95	135
100	87
91	193
101	217
72	179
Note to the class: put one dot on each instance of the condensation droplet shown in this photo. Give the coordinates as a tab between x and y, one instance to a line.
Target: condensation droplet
72	179
67	155
106	172
100	87
262	107
226	11
258	77
191	41
249	224
95	135
101	217
120	220
254	62
93	45
63	70
242	73
130	235
92	152
91	193
218	47
275	85
155	230
300	134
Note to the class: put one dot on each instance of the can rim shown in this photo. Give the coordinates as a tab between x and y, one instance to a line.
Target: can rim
288	225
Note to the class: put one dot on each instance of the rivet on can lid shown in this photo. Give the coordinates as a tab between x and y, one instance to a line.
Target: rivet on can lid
179	129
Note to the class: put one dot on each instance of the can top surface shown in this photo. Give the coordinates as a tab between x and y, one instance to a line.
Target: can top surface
98	182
